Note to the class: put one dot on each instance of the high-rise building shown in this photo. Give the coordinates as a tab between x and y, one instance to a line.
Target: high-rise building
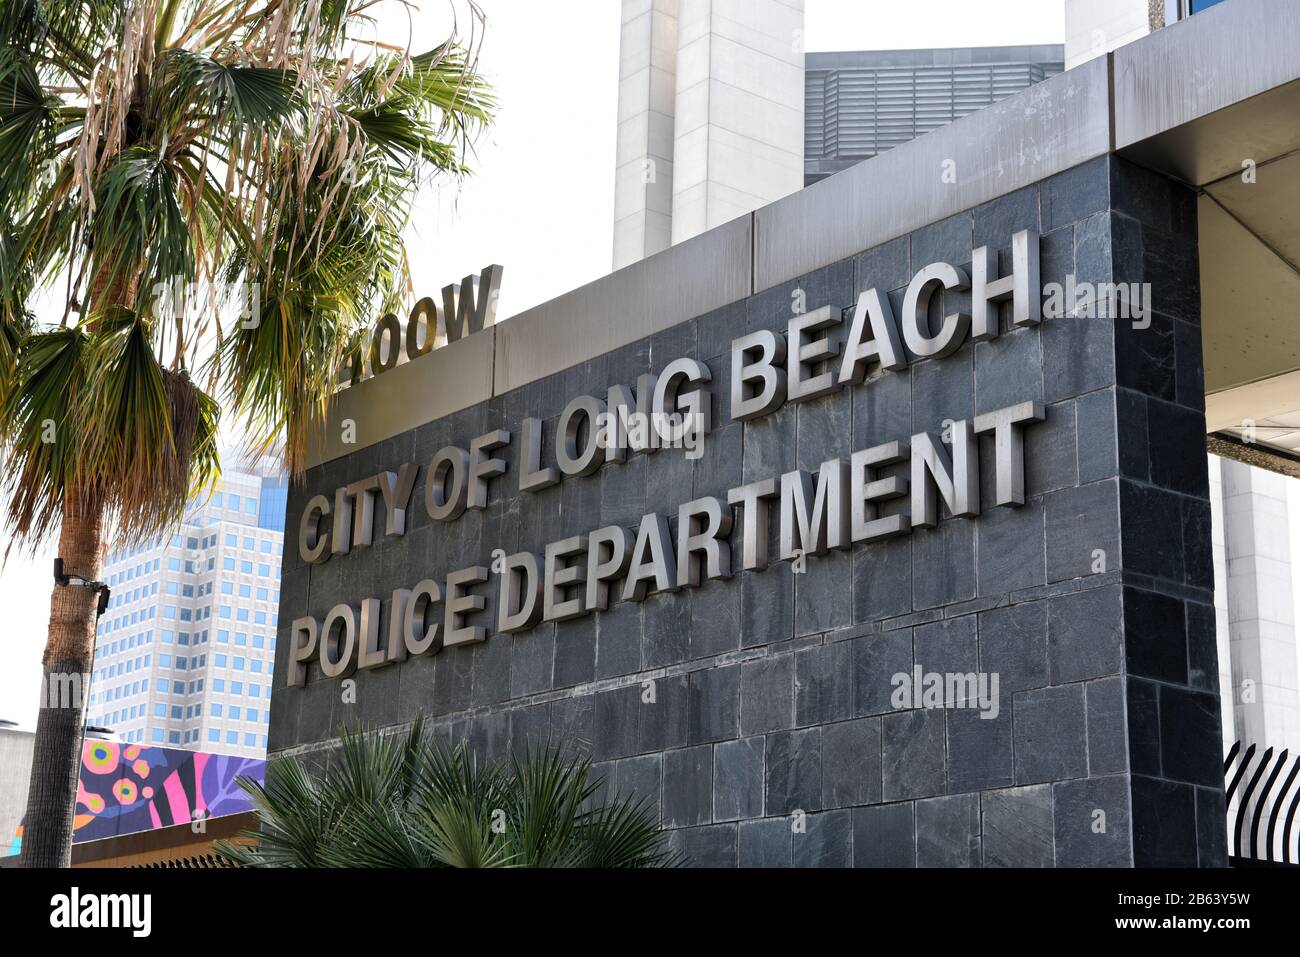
859	104
184	652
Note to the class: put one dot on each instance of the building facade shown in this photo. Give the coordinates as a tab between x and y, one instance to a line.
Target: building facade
184	654
859	104
920	459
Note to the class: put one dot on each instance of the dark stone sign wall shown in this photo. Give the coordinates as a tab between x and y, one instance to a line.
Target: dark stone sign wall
755	713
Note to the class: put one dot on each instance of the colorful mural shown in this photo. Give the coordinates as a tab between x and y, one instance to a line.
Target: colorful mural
124	788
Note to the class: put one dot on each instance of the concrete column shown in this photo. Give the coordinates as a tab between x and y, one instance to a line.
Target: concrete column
643	179
1260	606
739	110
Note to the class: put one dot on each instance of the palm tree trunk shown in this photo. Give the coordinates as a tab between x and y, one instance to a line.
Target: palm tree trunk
66	664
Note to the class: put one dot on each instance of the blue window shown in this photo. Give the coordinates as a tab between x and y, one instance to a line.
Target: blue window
232	737
215	710
158	735
214	735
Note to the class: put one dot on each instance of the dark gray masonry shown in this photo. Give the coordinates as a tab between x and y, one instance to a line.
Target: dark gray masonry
771	739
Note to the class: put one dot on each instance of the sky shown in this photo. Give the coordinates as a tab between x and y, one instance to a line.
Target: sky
541	201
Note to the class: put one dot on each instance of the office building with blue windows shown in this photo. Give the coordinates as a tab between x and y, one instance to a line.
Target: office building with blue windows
184	652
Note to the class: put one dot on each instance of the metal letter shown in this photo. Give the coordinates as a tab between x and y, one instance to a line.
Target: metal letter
873	311
338	652
702	548
866	490
302	635
423	310
520	594
396	488
395	650
571	459
474	308
805	353
532	476
608	555
824	524
562	578
956	479
753	502
757	357
1022	286
369	653
313	547
388	328
650	558
363	492
340	540
916	312
461	603
418	639
1007	426
444	506
482	468
694	405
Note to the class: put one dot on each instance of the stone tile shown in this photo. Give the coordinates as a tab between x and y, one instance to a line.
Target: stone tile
1155	636
824	684
980	753
793	768
618	639
575	651
767	695
715	619
738	779
884	835
1017	827
688	786
819	593
882	580
1050	735
913	758
1091	820
714	704
1083	531
1085	635
825	841
1190	736
943	563
765	843
1013	644
1107	738
766	605
666	620
1164	823
713	845
851	763
876	659
532	659
948	831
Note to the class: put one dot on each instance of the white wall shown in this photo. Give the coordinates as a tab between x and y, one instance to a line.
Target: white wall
1094	27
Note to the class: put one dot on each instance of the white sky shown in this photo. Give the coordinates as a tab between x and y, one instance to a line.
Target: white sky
542	201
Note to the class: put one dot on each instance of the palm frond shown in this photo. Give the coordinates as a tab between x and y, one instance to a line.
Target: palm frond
415	802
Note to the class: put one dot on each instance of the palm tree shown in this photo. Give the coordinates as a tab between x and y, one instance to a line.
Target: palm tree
234	145
385	801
